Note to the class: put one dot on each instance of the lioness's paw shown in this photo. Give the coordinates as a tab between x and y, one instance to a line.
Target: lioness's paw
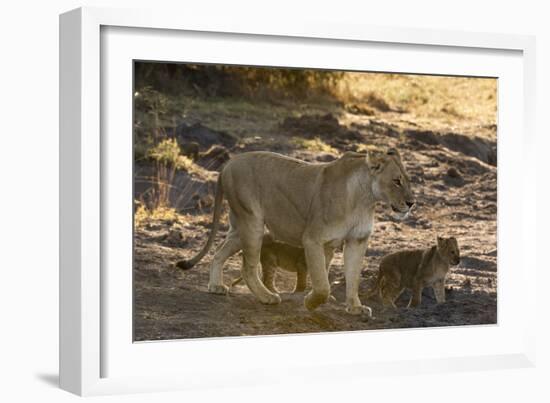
273	299
331	299
219	289
359	310
313	300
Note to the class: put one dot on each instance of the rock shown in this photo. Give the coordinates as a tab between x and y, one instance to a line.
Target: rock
324	126
360	109
202	135
174	236
492	252
325	157
190	149
424	223
454	178
214	158
203	202
472	146
454	173
378	102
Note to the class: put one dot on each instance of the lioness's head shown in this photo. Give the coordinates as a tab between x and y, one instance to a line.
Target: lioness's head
448	249
390	182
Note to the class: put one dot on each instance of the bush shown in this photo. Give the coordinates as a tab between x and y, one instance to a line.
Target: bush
223	81
168	159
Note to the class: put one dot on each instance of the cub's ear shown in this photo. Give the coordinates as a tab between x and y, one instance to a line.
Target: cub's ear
440	241
375	161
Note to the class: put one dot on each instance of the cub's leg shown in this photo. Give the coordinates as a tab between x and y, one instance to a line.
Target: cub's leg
251	230
354	251
315	260
375	290
231	245
390	289
416	298
301	278
329	254
269	267
439	291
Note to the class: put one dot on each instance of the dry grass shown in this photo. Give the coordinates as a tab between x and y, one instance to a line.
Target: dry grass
143	215
446	99
315	145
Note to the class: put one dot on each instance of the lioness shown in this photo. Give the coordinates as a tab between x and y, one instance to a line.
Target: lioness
309	205
275	255
416	269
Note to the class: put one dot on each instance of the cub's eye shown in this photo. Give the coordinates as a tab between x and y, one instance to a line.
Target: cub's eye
397	182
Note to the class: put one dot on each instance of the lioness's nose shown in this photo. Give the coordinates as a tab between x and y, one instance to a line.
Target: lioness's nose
410	204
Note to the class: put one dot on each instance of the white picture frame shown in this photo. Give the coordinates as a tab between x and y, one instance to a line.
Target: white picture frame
85	343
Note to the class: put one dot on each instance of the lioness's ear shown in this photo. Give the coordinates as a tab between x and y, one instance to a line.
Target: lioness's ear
375	161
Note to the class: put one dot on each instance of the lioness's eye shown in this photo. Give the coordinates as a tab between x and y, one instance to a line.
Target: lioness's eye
397	182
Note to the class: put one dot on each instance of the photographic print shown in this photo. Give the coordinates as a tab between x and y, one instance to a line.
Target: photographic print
271	200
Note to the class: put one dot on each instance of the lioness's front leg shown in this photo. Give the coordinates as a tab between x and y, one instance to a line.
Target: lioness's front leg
315	260
354	250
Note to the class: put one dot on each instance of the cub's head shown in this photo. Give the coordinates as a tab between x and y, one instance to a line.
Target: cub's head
390	182
448	249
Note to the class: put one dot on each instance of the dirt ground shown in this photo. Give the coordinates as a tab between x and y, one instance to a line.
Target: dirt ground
454	175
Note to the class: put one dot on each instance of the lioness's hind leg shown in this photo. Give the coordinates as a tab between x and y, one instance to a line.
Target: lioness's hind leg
252	233
230	246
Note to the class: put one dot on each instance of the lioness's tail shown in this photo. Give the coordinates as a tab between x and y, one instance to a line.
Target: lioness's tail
187	264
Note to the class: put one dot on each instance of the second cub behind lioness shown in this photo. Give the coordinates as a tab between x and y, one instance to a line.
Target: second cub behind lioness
416	269
276	254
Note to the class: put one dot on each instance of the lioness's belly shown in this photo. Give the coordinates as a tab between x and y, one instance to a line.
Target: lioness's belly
291	235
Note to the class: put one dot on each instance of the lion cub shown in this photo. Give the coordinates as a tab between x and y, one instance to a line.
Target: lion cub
277	254
416	269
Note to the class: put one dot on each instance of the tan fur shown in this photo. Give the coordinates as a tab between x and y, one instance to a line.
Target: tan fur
307	205
283	256
416	269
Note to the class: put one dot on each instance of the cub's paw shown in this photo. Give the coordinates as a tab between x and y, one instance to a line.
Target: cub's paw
332	299
218	289
359	310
